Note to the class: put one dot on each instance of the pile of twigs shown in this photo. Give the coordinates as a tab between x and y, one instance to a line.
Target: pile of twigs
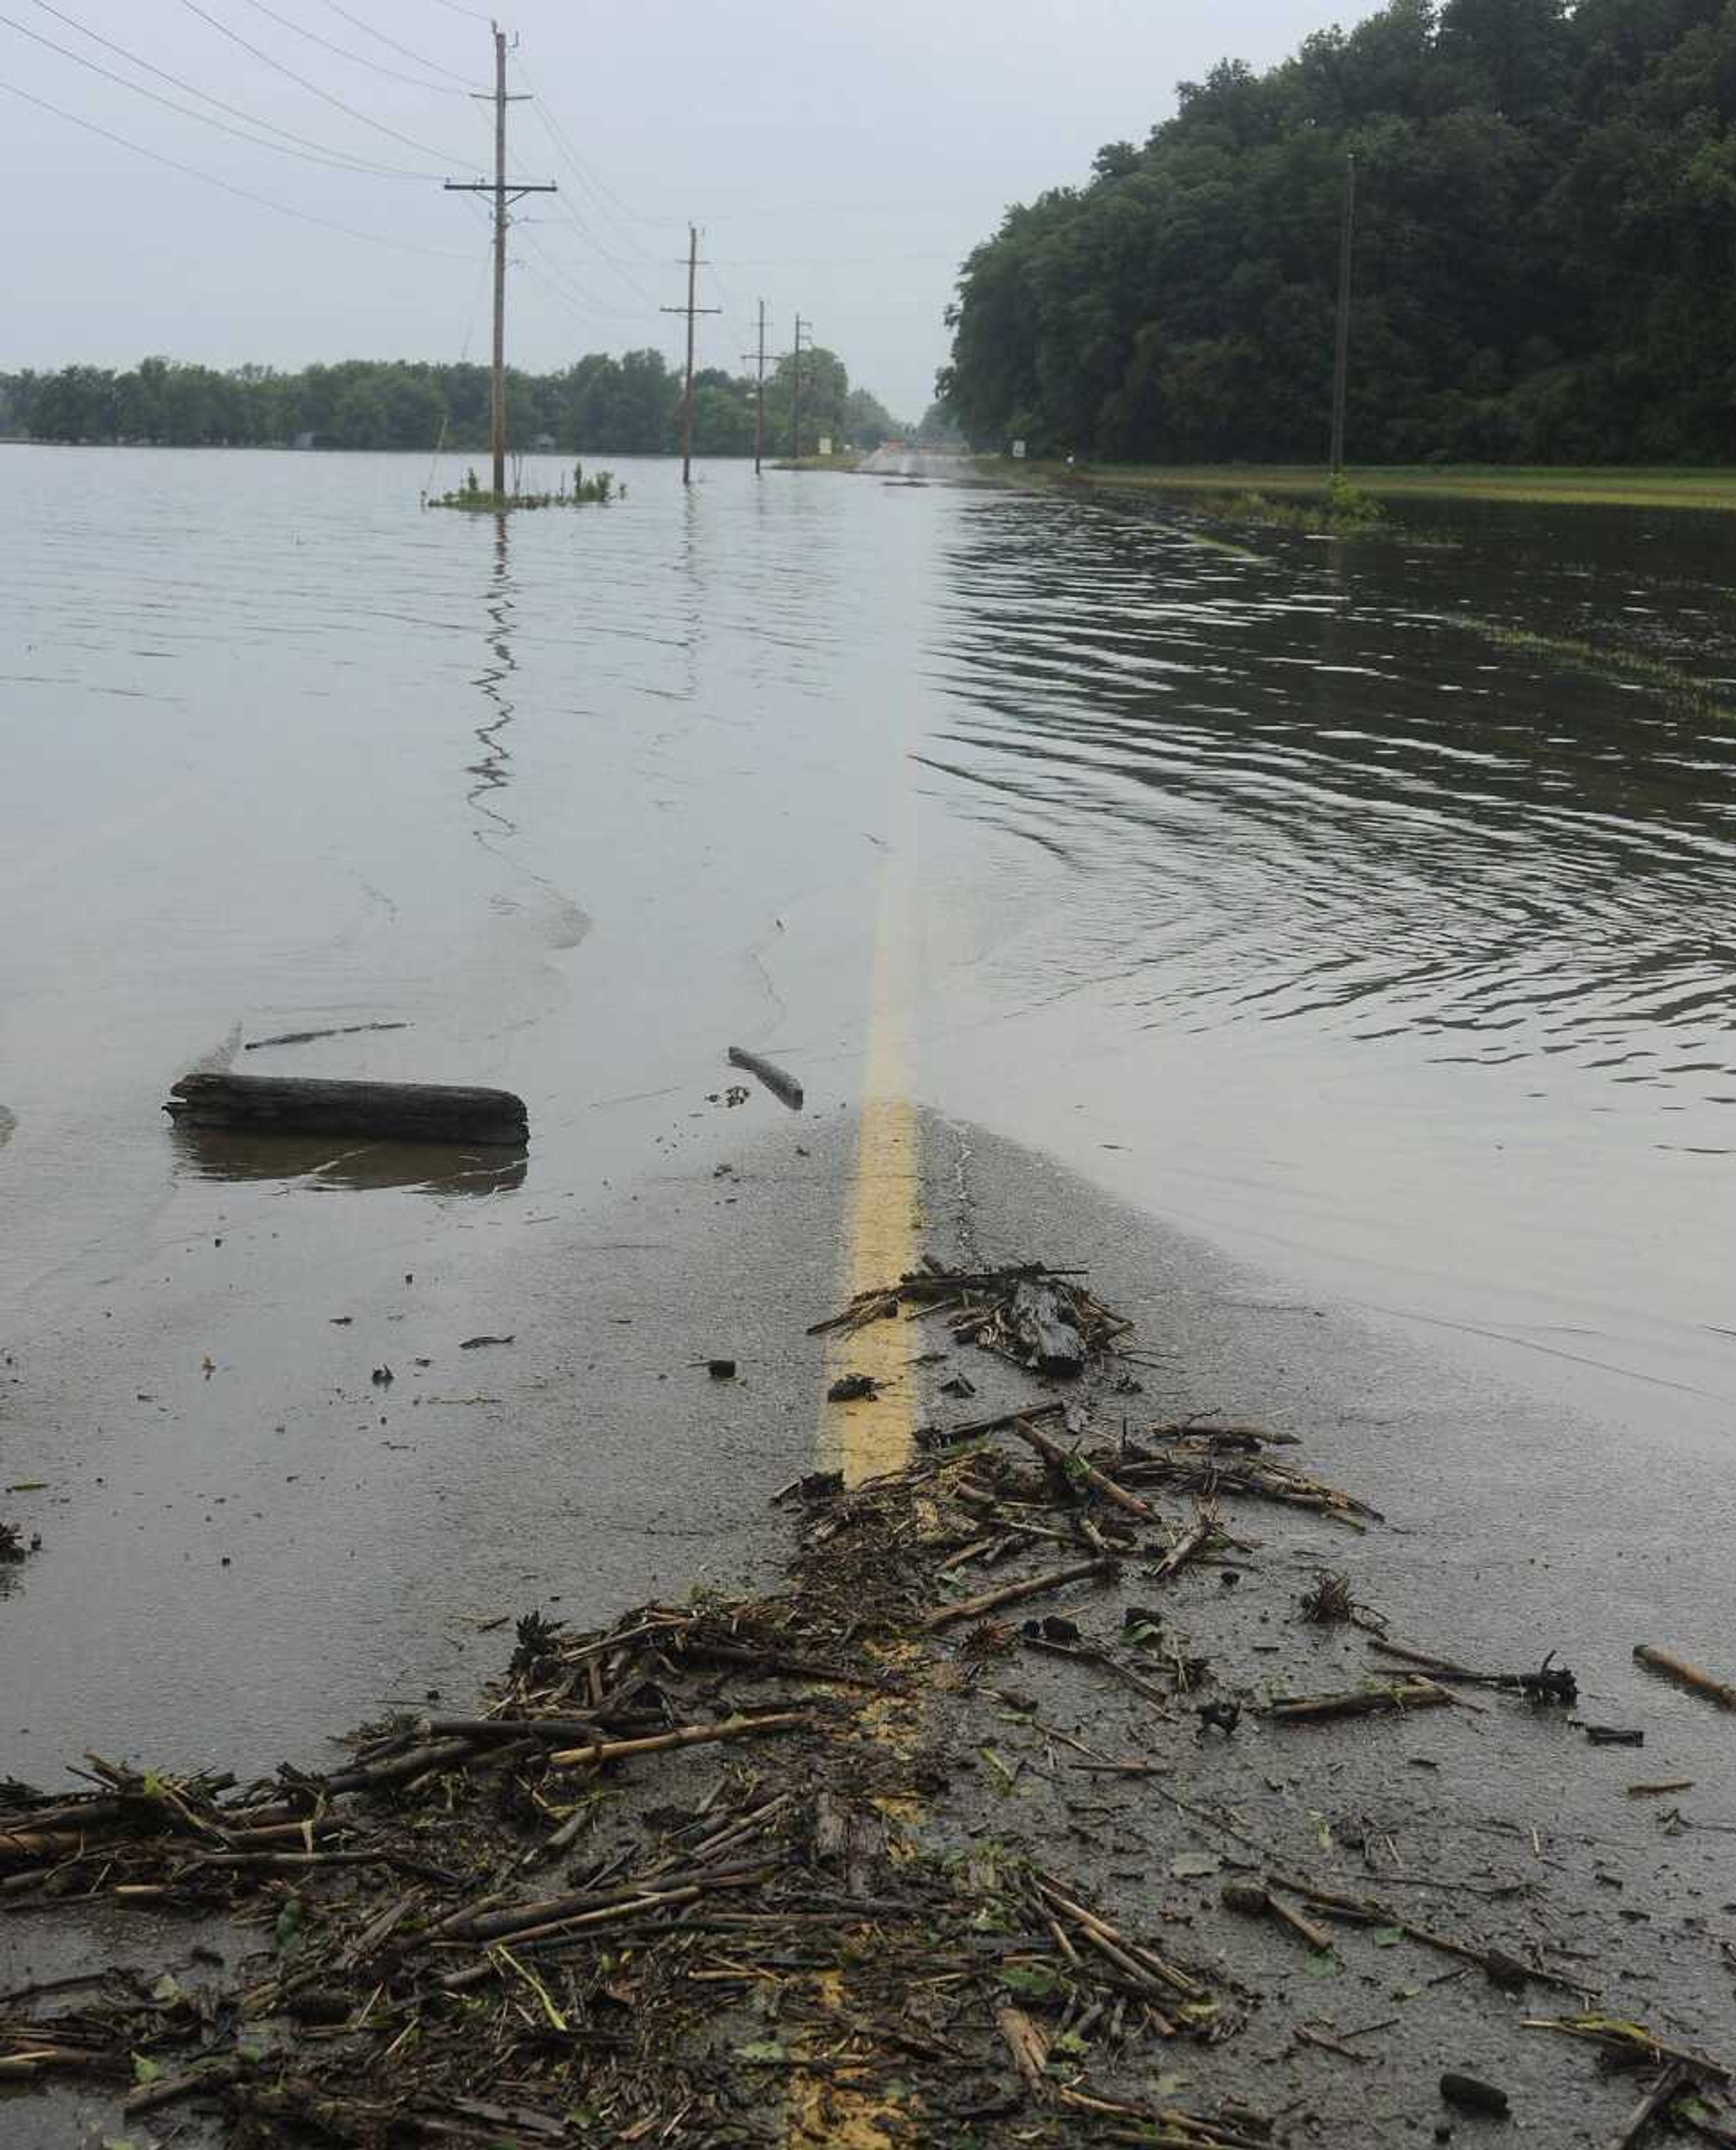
1042	1319
665	1887
1207	1463
762	1935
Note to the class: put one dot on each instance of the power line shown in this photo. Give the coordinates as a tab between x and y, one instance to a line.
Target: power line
379	126
392	45
585	231
595	187
336	163
355	59
598	186
815	261
571	215
244	193
559	278
584	315
267	126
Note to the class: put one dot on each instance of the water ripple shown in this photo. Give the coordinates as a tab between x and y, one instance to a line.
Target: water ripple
1288	793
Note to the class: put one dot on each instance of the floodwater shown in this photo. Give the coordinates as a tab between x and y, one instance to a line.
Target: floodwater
1271	887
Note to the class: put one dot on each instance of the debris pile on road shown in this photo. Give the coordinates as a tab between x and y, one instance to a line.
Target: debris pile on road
808	1866
1037	1317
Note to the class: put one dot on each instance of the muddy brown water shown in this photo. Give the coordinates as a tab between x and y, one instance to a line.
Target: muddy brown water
1271	889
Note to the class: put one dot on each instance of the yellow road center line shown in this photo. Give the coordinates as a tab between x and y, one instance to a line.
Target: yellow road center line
867	1439
883	1219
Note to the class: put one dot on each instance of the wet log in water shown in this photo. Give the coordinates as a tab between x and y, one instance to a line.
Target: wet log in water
397	1111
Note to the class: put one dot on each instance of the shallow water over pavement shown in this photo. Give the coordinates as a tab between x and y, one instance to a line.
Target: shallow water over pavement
1268	887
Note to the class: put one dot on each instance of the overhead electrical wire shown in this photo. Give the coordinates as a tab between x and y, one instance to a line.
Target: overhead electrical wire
392	44
366	119
595	184
575	164
266	126
470	328
243	194
827	261
586	316
572	216
557	273
336	162
355	59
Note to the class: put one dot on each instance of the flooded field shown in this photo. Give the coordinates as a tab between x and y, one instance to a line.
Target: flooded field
1333	904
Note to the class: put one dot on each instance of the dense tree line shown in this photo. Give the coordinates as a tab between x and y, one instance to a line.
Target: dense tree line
1545	258
600	405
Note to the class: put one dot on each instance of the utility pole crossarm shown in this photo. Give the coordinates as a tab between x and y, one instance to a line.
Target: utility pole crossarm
504	190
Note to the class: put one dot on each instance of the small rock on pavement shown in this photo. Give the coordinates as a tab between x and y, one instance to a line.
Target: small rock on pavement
721	1370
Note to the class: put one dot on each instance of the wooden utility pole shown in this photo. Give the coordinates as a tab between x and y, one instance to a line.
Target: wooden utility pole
500	188
758	393
1341	360
690	310
802	328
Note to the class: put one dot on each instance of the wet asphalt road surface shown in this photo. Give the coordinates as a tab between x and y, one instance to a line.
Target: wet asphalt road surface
610	1468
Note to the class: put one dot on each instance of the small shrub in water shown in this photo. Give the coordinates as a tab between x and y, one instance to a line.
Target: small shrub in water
587	492
1348	506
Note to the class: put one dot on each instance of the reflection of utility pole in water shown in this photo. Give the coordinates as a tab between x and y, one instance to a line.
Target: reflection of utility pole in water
1341	360
493	772
499	189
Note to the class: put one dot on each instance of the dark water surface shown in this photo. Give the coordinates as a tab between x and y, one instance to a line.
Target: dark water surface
1400	952
1271	889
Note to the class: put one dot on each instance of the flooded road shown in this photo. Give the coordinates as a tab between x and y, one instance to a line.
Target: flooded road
1277	889
1397	953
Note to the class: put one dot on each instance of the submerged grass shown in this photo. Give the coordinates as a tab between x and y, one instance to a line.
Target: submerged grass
1534	485
1310	502
1619	666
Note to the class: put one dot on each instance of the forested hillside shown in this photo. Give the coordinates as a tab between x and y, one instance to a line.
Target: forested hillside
1545	256
600	405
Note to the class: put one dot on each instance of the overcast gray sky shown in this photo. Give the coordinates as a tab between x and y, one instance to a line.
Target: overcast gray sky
841	157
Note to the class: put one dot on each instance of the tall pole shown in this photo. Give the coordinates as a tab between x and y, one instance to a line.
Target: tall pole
758	394
1341	361
497	409
500	187
687	401
690	310
795	391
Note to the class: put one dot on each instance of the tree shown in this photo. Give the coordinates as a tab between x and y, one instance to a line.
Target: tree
1546	238
600	404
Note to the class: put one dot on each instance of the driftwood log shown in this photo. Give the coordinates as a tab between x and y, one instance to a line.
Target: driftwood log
784	1087
1686	1675
397	1112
